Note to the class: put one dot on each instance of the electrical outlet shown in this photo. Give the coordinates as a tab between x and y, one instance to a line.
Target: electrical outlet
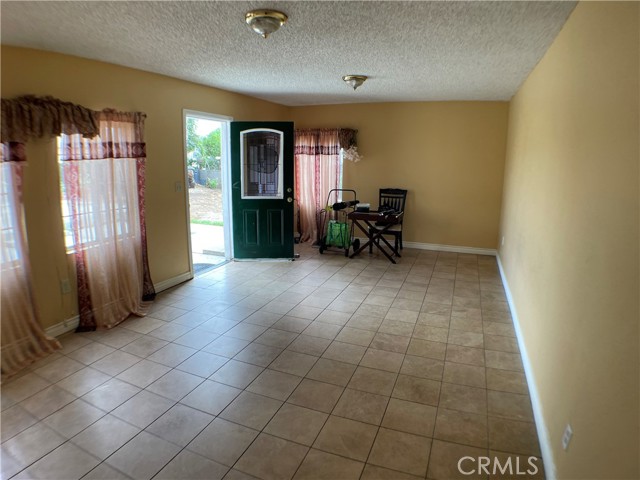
65	286
566	437
502	242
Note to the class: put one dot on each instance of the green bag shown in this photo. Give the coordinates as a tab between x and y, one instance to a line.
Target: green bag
338	234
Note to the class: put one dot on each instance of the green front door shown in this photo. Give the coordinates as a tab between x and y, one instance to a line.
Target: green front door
262	189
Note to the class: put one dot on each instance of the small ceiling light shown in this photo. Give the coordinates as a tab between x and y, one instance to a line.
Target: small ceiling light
354	81
265	22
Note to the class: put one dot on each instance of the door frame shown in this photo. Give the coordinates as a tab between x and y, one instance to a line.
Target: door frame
225	175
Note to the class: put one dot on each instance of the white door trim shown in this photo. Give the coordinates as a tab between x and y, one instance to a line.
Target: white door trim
225	173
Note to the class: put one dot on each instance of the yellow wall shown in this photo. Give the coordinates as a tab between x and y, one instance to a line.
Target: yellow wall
99	85
569	216
570	223
449	155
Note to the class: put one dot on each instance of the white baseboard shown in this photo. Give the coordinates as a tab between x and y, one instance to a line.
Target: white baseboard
541	426
63	327
172	282
445	248
451	248
71	324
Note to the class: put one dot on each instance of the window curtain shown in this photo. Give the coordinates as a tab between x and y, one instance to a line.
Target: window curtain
104	187
23	340
317	171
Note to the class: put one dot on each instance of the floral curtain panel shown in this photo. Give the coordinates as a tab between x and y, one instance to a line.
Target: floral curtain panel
104	188
23	340
317	171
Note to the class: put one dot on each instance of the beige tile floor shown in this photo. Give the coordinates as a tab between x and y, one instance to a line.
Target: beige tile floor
324	367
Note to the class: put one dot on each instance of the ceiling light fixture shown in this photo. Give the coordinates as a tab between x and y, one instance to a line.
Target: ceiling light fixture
265	22
354	81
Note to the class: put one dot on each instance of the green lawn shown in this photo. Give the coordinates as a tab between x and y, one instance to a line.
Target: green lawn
215	223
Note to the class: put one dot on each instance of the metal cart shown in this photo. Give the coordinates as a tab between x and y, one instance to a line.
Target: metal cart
336	230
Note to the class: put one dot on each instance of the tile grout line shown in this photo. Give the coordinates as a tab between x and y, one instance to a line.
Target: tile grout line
286	348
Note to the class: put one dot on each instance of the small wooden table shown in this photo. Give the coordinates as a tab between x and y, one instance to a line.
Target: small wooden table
374	225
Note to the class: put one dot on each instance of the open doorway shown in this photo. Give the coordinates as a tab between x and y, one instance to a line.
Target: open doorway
206	169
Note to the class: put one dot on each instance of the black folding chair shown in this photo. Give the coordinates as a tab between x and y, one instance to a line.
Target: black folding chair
392	200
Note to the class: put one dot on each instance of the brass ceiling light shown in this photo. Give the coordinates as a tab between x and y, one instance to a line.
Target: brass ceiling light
354	81
265	22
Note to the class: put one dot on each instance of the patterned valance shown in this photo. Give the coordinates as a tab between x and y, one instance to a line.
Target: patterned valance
111	115
128	143
13	152
323	141
347	138
29	117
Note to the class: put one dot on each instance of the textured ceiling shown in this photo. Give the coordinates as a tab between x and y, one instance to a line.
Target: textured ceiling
412	51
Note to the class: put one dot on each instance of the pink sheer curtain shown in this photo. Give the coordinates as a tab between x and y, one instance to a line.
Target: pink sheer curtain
317	171
23	340
103	188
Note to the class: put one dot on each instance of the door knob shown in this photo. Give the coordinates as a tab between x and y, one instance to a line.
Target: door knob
289	190
289	199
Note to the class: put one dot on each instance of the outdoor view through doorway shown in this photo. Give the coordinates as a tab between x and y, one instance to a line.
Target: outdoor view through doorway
205	182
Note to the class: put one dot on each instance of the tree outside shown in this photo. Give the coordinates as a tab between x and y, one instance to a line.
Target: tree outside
204	153
205	190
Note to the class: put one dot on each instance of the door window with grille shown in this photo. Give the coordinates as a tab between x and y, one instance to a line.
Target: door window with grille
261	163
